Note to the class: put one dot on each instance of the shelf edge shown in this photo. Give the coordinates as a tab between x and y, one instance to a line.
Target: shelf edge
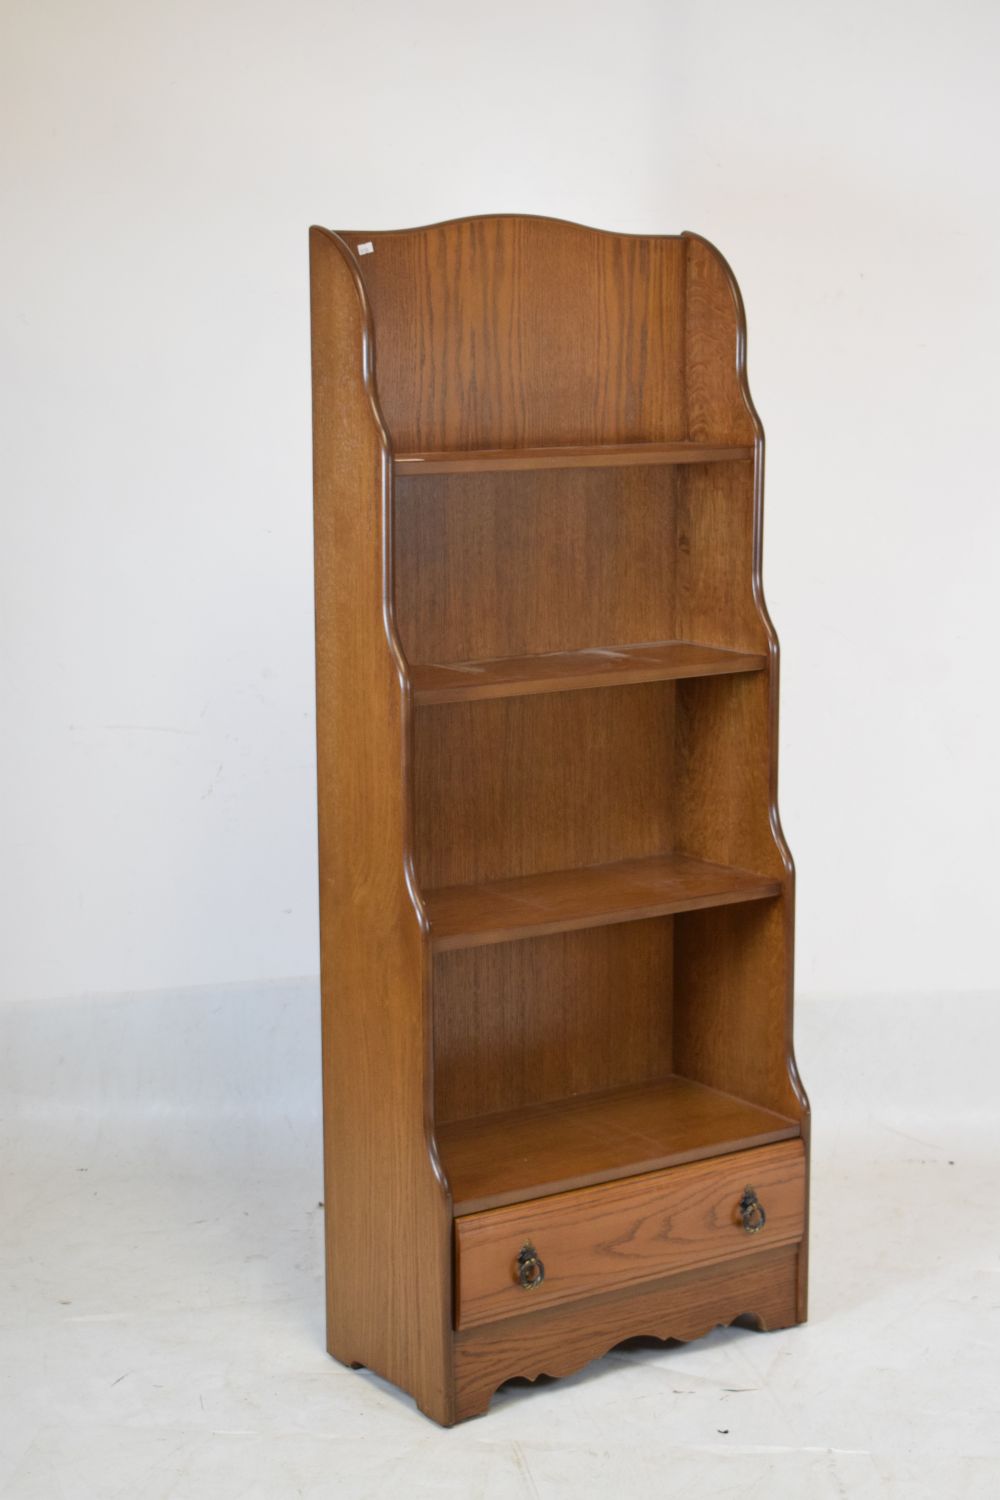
486	461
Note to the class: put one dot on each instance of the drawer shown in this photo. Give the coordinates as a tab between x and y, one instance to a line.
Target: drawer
601	1239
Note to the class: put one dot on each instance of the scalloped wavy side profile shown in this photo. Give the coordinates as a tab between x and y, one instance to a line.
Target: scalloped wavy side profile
365	740
774	653
386	520
758	549
509	334
461	220
566	1338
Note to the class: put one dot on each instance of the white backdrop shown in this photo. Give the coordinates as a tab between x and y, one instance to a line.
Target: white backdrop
161	165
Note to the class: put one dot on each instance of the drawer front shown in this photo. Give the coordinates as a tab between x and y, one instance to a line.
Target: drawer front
600	1239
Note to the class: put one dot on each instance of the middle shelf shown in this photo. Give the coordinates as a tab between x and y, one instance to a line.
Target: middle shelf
569	1143
564	671
502	911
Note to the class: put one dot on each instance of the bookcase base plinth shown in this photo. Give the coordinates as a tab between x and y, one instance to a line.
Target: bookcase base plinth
761	1289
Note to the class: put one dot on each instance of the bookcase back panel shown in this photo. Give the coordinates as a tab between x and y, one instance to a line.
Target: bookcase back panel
513	332
493	565
530	1022
514	786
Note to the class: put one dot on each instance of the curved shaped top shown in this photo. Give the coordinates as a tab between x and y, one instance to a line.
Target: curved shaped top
348	234
514	330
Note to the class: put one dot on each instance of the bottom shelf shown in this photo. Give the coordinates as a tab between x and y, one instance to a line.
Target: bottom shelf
526	1153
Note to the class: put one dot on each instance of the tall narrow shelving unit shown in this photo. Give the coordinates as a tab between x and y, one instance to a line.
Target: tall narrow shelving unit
556	905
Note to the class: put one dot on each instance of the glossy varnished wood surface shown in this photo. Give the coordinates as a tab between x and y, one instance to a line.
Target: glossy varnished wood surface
572	433
511	564
500	564
388	1296
759	1288
600	456
722	811
732	1031
518	332
560	900
576	1142
533	1022
568	671
501	786
638	1229
718	408
713	557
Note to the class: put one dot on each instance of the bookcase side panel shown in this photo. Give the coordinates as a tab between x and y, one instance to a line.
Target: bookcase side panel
387	1209
718	410
734	968
714	551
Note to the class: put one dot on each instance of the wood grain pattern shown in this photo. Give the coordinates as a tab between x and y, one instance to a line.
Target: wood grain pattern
534	440
503	911
721	727
760	1289
506	564
762	1053
641	1229
500	785
713	581
388	1296
578	1141
602	456
541	1021
718	406
732	1031
570	671
503	564
520	332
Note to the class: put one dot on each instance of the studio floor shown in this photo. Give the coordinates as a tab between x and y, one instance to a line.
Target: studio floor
161	1291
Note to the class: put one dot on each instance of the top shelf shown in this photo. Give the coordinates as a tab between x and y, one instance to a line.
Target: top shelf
599	456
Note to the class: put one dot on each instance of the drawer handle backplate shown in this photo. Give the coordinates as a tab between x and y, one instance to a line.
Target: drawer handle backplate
752	1211
530	1269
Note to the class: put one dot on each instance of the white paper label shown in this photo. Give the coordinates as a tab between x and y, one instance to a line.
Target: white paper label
367	248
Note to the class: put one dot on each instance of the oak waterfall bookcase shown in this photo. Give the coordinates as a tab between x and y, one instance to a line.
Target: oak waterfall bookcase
561	1101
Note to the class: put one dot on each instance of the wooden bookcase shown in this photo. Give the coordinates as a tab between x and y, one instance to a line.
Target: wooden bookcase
561	1101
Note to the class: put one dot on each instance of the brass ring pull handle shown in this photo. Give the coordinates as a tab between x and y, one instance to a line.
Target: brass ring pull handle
530	1270
752	1211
